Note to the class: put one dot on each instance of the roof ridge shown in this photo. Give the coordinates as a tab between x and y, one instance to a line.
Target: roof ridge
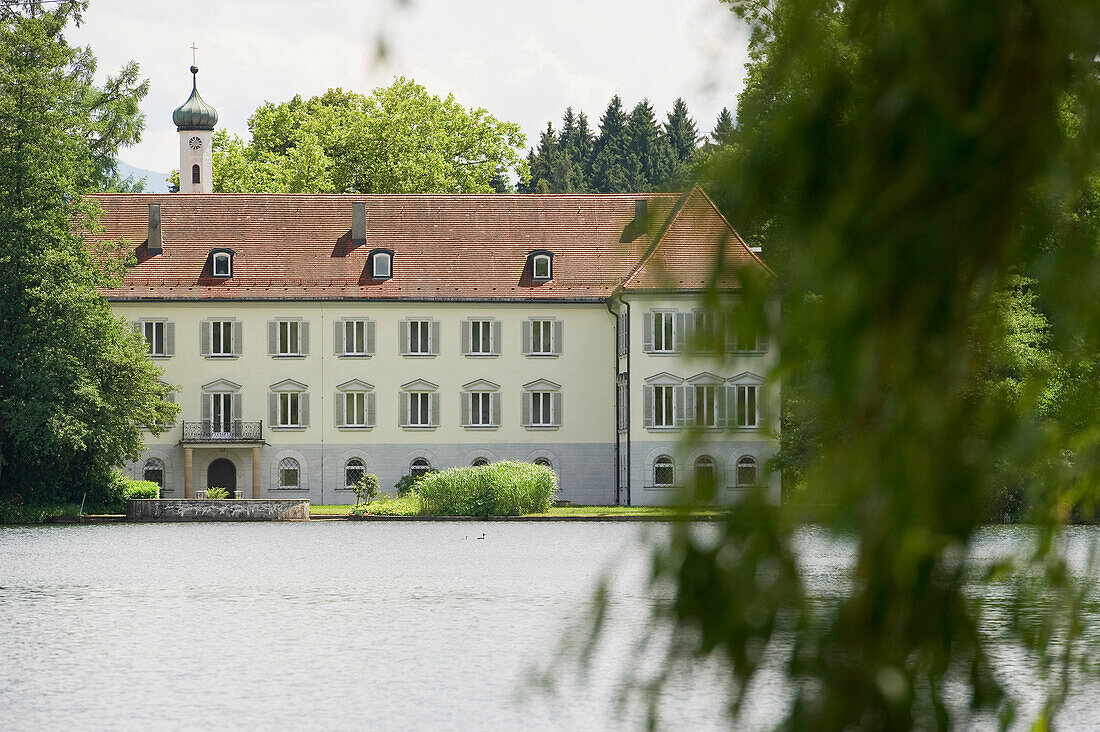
656	241
722	216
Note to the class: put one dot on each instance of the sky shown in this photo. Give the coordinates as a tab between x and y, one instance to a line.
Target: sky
523	61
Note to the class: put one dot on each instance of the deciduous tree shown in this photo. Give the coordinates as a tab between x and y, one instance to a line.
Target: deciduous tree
75	382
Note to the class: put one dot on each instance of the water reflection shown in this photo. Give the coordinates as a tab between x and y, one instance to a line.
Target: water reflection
347	625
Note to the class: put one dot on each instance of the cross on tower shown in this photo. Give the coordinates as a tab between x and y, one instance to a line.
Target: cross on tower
193	49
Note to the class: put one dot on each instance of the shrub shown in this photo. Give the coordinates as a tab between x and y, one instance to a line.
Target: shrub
499	489
408	482
140	489
365	489
216	494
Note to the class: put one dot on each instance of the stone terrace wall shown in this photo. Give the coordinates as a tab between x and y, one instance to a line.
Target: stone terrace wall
223	510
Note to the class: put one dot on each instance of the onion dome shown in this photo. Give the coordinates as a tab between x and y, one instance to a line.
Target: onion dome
195	114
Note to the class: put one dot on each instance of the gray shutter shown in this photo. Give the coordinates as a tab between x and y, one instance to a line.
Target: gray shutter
206	408
272	337
338	402
403	336
647	331
338	337
722	397
204	337
681	332
303	336
556	329
647	405
434	409
169	339
371	410
368	337
139	328
403	408
689	405
527	326
238	337
467	327
433	337
495	336
272	409
494	408
555	408
678	406
762	342
237	407
525	411
303	409
464	406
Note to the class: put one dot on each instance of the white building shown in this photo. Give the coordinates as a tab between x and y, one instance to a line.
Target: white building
314	337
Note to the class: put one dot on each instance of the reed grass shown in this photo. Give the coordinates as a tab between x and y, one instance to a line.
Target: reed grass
503	488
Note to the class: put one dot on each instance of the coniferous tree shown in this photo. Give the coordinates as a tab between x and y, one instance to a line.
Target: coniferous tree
683	136
724	128
648	161
609	175
542	165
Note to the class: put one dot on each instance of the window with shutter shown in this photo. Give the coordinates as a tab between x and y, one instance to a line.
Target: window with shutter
541	337
419	338
480	338
155	337
288	338
747	406
662	332
221	338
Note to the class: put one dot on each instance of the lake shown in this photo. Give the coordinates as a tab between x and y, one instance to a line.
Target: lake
347	625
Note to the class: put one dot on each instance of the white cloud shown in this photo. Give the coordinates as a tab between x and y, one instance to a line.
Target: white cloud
524	62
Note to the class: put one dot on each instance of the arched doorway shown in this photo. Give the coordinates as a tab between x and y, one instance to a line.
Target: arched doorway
222	473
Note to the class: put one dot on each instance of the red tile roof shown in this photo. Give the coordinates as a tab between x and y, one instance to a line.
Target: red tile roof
445	246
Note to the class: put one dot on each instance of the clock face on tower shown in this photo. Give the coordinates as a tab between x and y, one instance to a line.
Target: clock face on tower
195	143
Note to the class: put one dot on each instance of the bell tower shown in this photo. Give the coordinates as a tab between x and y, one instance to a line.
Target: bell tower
195	120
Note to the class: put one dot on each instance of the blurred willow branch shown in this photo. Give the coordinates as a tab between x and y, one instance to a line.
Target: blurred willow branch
924	176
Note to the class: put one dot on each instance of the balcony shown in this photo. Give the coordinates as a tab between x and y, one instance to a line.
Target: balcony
237	432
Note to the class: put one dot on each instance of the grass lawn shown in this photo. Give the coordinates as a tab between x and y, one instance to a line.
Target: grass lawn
564	511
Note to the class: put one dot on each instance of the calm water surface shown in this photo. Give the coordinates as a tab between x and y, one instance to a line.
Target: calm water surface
343	625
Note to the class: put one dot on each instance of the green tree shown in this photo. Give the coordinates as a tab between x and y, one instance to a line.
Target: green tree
681	132
902	158
724	128
609	175
75	382
649	159
399	139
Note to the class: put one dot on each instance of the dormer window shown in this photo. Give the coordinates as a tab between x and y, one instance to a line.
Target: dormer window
381	264
540	267
222	264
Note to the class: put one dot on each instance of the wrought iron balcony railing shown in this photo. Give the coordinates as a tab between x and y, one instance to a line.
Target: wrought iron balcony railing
236	431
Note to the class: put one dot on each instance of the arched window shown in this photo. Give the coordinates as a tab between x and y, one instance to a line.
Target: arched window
544	463
153	471
540	267
353	471
663	472
419	467
478	462
222	264
290	473
382	265
706	478
746	472
196	175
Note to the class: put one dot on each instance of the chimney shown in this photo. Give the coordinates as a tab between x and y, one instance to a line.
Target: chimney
154	244
358	223
641	214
